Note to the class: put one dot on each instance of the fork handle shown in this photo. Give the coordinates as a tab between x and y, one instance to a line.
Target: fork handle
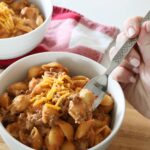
124	50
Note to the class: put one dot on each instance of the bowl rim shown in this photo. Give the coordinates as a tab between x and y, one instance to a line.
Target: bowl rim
114	130
31	32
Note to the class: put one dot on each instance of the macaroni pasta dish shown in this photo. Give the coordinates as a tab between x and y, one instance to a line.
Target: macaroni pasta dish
50	110
18	17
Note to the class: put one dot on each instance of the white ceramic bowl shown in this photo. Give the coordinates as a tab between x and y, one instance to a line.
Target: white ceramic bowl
78	65
20	45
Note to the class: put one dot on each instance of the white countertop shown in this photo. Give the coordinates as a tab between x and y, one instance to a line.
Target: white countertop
110	12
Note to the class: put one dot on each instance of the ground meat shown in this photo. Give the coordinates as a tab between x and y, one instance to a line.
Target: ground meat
44	130
24	136
22	118
49	116
34	119
65	106
52	121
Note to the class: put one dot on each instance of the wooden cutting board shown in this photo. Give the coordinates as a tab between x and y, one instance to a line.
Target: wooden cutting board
133	135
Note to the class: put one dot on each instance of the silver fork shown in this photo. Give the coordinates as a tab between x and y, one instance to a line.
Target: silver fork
98	85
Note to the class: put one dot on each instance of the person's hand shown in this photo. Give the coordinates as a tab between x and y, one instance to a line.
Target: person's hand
134	72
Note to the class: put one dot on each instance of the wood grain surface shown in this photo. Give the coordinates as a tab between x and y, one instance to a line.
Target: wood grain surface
133	135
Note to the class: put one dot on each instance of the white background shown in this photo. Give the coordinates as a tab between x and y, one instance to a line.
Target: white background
110	12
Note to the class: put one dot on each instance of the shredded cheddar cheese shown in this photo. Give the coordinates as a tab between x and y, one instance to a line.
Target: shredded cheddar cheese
67	78
51	92
6	17
59	88
39	102
60	99
53	106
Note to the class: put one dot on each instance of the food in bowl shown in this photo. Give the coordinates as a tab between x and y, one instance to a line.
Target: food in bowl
20	45
77	65
41	111
18	17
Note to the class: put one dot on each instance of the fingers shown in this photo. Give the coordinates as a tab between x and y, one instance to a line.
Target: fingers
132	27
121	39
147	26
144	42
123	75
128	69
133	58
144	37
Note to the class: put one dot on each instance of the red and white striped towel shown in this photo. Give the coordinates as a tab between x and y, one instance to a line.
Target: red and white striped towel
72	32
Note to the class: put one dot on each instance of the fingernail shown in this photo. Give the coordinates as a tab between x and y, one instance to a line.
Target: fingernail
131	32
136	70
132	80
112	52
134	62
148	26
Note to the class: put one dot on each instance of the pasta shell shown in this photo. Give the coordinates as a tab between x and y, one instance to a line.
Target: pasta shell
13	129
67	129
8	1
83	129
19	104
104	131
87	97
68	146
99	123
54	139
54	65
33	82
4	100
36	139
107	100
17	88
91	138
35	72
98	139
107	109
39	20
82	144
24	137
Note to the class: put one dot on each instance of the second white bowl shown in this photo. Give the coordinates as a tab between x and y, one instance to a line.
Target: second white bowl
20	45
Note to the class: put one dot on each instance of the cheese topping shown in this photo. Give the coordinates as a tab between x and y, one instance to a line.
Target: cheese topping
57	89
6	17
